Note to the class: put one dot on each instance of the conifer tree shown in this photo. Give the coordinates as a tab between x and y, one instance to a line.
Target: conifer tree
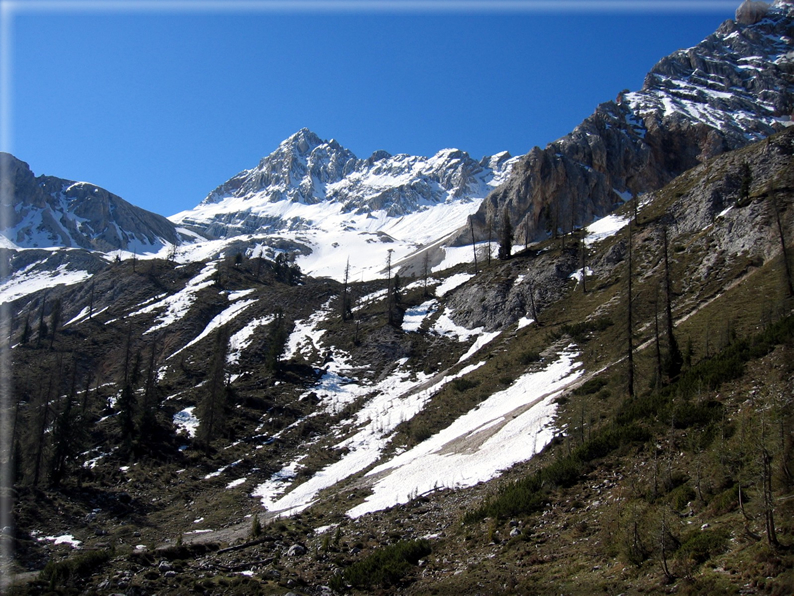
149	403
25	331
91	302
212	409
39	438
42	330
277	341
745	183
126	400
65	435
55	320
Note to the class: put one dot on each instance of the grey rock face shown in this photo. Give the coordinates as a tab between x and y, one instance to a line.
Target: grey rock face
499	300
735	87
47	211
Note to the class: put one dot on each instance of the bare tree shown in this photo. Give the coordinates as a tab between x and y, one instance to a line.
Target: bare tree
425	272
473	243
674	360
657	342
490	239
783	249
584	261
533	306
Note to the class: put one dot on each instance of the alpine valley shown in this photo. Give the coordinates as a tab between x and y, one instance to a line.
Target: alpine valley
567	372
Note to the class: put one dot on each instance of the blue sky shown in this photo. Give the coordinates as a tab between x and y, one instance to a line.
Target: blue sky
162	106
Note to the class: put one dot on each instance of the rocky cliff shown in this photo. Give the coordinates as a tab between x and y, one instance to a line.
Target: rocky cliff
735	87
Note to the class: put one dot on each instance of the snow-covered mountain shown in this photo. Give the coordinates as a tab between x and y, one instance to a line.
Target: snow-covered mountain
319	194
52	212
735	87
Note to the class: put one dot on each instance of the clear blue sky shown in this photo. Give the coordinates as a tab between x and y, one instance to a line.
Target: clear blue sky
161	107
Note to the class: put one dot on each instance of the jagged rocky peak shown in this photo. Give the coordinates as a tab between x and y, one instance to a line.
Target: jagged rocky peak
735	87
378	155
49	211
308	170
290	172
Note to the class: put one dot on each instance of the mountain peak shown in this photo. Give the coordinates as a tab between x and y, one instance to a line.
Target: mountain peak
303	142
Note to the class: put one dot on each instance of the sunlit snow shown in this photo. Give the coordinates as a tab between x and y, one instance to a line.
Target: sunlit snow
510	426
397	398
242	339
222	318
414	317
177	305
452	282
27	281
604	228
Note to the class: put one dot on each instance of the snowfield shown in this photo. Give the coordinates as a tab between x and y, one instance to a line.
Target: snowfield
510	426
217	321
396	399
186	422
604	228
177	305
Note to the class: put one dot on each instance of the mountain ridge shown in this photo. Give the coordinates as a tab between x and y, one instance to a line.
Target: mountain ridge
307	170
48	212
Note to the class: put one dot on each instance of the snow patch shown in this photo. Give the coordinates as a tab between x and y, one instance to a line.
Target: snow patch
186	421
604	228
452	282
27	281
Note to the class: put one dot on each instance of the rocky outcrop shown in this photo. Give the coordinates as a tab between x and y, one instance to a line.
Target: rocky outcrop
751	11
735	87
499	299
45	211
